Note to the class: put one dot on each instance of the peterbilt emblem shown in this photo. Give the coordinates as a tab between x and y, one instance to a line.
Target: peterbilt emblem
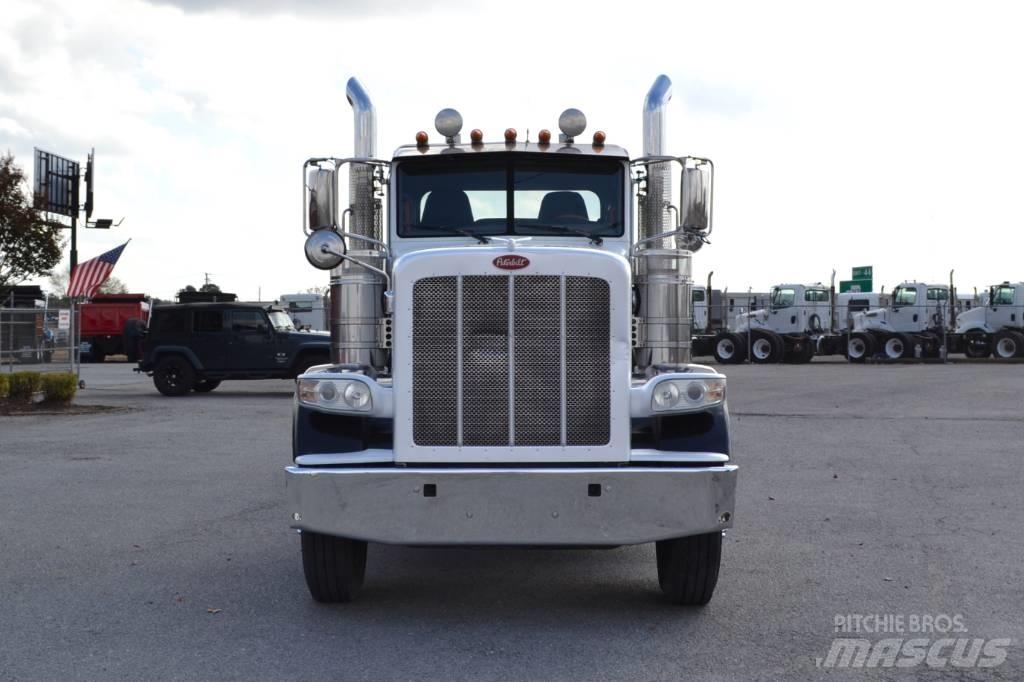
511	262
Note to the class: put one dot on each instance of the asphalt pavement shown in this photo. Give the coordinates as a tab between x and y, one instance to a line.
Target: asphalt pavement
151	541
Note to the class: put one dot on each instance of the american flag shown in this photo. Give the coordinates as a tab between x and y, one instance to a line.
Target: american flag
87	277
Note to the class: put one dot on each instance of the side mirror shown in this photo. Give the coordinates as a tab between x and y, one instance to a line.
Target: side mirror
322	188
325	249
695	197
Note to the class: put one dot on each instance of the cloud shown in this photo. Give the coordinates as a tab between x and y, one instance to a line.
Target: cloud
335	8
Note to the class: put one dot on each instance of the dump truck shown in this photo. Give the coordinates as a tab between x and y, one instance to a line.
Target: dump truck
510	360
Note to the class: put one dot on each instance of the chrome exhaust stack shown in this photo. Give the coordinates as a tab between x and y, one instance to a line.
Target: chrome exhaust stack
662	271
357	292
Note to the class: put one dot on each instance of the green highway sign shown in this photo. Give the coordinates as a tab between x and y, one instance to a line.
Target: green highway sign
856	285
863	272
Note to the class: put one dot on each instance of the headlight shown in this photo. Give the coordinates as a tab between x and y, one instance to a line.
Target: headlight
683	395
342	395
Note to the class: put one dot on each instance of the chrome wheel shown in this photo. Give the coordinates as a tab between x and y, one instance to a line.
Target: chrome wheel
894	348
1006	347
762	350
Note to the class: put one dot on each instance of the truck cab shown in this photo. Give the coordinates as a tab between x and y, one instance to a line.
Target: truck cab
510	353
792	308
914	307
995	328
1004	309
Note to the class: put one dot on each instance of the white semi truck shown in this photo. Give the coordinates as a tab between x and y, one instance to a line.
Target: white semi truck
510	323
307	311
784	331
995	329
914	324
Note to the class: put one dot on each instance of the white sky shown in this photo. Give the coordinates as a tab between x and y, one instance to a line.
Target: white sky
885	134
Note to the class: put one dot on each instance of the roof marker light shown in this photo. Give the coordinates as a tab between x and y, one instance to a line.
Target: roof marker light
599	138
510	134
544	136
476	135
421	138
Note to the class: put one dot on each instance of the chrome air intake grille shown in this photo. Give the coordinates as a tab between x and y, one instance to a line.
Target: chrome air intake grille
511	361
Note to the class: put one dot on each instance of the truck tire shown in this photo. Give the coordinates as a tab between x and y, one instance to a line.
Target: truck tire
1008	344
730	349
174	376
334	567
766	347
860	347
688	568
976	345
205	385
897	346
801	352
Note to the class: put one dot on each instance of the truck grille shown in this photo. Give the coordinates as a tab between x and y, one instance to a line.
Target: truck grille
511	361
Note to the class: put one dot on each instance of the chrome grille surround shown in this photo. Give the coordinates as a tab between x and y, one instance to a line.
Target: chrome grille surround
543	354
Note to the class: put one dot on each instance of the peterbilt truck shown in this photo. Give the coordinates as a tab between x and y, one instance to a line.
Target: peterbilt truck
510	353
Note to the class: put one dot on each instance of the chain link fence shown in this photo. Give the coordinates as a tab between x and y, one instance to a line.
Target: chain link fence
38	339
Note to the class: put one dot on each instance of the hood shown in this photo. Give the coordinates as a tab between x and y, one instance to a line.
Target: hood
971	319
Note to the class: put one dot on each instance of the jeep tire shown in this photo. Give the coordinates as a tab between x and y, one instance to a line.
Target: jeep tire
205	385
174	376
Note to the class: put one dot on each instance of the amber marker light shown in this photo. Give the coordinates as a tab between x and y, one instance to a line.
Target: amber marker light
544	136
476	135
421	137
599	137
510	134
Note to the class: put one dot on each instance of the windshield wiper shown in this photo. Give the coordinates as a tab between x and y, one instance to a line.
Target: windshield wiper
453	230
594	239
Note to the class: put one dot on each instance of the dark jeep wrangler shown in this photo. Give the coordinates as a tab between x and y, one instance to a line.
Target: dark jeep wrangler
193	347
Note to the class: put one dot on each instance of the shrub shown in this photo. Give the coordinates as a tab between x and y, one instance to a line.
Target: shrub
5	385
59	387
23	385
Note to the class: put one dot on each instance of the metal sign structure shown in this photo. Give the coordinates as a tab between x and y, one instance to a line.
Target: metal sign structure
56	184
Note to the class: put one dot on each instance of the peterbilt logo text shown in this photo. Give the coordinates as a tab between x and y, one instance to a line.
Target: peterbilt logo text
511	262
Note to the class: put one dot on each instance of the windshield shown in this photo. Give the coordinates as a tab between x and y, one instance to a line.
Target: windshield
523	194
905	296
1002	295
281	321
783	298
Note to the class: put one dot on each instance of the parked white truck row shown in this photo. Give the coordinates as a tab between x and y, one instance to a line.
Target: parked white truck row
794	322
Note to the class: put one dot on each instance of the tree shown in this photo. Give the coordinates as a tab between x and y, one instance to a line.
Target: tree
210	288
30	245
113	286
59	284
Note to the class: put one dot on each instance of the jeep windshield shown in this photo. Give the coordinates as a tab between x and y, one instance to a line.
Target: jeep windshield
280	320
483	195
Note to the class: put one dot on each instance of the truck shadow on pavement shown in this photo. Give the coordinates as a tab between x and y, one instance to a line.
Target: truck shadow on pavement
511	581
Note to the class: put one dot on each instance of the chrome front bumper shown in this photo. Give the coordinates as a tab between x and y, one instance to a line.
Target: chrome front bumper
512	506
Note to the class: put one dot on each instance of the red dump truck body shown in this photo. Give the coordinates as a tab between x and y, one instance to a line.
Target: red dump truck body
112	324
